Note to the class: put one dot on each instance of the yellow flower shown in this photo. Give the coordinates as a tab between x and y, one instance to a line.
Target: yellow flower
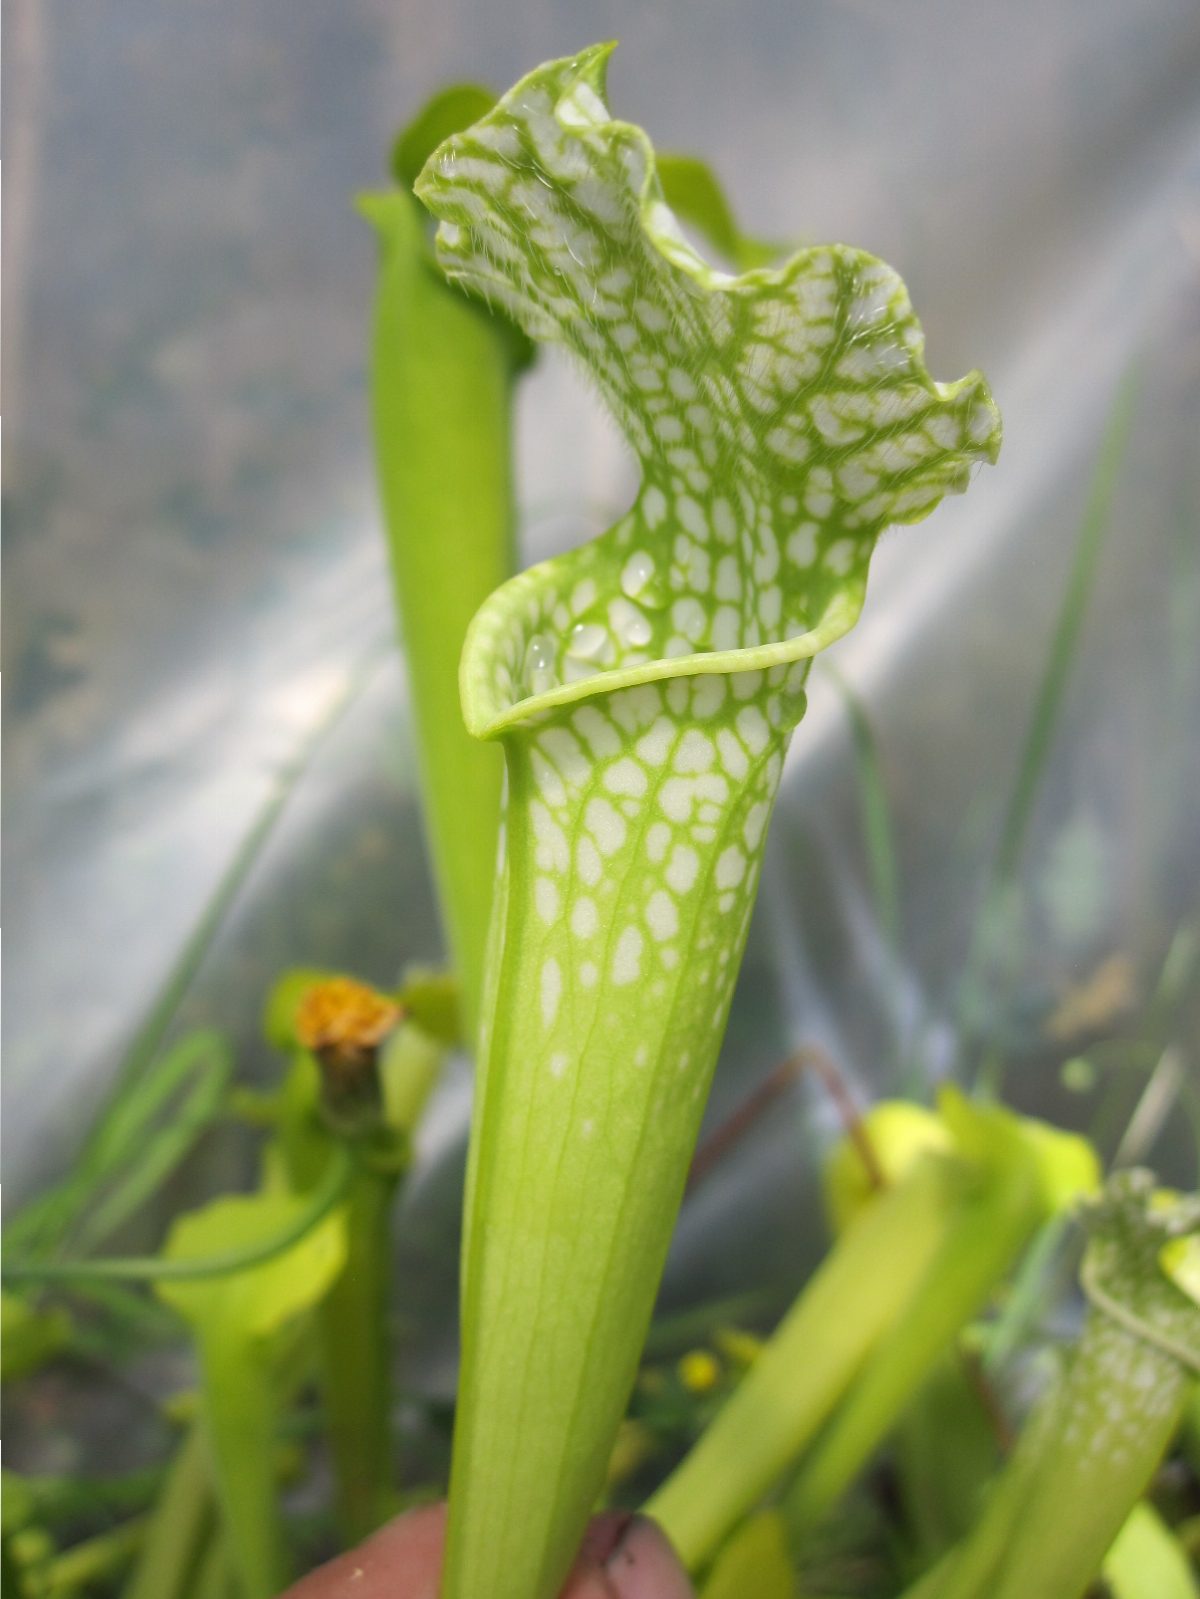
699	1371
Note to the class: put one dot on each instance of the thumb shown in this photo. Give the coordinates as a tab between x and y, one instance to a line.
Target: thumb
623	1557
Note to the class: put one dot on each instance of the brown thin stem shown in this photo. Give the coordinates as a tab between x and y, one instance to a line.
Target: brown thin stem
989	1401
810	1057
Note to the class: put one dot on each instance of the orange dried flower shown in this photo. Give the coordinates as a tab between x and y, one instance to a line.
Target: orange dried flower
344	1021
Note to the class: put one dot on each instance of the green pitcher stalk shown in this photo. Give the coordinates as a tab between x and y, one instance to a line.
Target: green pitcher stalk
442	373
235	1320
966	1189
181	1520
855	1299
644	689
1019	1172
356	1358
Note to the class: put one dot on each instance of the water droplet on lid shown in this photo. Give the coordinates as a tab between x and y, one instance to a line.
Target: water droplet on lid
539	656
637	572
539	664
690	617
630	625
587	641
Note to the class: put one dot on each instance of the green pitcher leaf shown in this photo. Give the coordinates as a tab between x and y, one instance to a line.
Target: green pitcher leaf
914	1262
233	1317
898	1134
409	1066
1148	1561
864	1288
645	688
754	1561
258	1300
433	1001
1065	1166
442	373
1022	1170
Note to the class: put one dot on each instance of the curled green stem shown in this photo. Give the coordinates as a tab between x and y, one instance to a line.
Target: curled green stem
221	1263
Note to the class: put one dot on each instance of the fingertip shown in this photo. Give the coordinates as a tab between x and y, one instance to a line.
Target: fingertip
622	1557
403	1560
643	1565
627	1557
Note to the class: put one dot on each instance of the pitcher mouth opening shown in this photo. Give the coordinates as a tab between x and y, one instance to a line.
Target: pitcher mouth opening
501	655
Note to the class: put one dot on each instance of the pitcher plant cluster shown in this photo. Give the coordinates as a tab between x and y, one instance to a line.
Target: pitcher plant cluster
597	815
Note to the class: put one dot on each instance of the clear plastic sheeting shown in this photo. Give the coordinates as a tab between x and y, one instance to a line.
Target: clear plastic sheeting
199	667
